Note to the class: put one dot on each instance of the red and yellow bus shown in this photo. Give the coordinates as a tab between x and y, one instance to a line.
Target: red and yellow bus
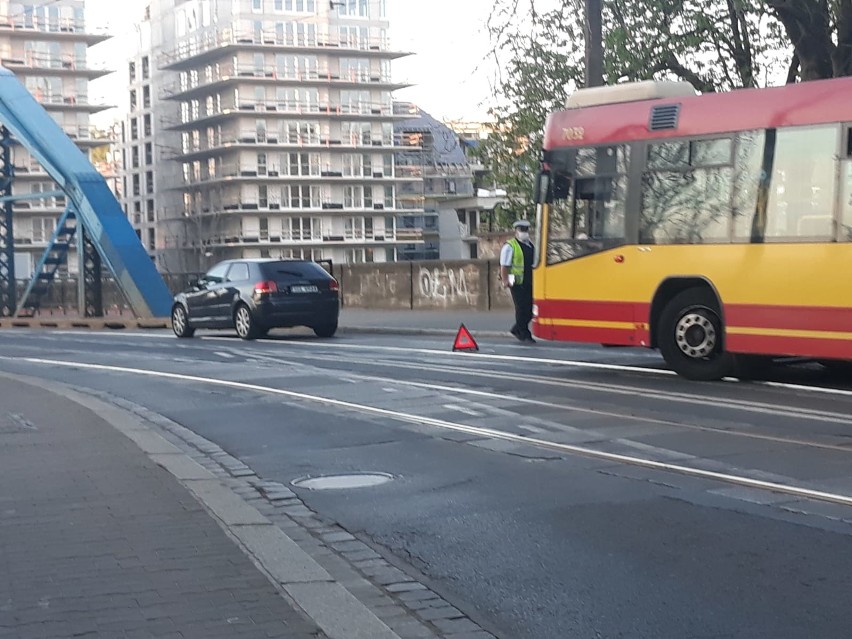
712	227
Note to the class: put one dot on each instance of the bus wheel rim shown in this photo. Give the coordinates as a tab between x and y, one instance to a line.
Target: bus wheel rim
695	335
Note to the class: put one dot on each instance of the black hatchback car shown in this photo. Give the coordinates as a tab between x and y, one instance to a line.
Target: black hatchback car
255	295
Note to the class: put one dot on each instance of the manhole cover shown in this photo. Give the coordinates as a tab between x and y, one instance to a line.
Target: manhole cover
340	482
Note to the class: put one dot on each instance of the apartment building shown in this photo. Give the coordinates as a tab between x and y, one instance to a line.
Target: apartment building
284	133
45	43
449	187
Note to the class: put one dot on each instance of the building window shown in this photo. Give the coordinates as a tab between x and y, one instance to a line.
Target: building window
354	8
146	71
257	5
133	102
132	71
146	97
149	207
302	6
147	121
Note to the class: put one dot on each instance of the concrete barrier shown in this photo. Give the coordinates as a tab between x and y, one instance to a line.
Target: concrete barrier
426	285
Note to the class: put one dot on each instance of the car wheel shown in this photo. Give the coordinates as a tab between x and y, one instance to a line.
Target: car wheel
326	330
245	323
690	336
180	322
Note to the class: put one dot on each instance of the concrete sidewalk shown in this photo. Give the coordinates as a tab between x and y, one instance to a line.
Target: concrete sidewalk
117	522
97	540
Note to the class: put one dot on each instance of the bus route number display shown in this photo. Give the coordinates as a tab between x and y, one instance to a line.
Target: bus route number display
573	133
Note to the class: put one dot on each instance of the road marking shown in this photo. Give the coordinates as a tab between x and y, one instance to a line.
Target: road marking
711	401
463	409
224	354
508	358
583	451
532	429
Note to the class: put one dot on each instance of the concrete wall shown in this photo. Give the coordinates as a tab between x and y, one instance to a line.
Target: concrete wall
429	285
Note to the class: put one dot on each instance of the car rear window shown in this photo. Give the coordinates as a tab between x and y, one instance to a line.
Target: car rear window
302	270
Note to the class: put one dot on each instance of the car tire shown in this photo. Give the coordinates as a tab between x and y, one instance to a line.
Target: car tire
180	322
326	330
245	323
690	336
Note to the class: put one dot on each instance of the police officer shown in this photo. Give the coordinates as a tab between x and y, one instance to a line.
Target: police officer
516	260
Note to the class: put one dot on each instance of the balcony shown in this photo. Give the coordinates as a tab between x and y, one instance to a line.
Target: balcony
283	109
51	29
254	75
271	142
213	46
68	102
67	65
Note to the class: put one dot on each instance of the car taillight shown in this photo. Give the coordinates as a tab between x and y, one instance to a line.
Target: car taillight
334	286
268	286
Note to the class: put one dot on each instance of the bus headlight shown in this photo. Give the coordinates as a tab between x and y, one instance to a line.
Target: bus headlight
535	310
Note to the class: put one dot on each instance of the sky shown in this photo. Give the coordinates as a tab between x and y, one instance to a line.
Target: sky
449	70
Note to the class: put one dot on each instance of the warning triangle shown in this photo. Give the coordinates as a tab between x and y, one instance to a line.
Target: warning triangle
464	340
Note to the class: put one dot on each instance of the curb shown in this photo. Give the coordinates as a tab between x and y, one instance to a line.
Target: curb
306	584
153	325
391	330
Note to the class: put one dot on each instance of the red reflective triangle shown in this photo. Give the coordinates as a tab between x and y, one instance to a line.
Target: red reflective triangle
464	340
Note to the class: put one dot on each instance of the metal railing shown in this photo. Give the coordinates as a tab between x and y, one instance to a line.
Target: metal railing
211	41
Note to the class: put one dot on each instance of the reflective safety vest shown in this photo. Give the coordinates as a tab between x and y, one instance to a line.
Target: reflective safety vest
517	268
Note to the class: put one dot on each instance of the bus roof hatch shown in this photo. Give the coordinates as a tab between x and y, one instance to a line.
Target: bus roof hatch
629	92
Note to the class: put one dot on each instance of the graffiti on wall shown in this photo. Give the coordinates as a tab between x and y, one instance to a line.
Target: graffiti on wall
377	283
444	284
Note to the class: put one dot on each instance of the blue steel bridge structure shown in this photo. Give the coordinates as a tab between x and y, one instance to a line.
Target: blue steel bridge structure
93	220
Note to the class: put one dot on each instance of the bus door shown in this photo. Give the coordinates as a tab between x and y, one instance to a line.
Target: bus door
585	217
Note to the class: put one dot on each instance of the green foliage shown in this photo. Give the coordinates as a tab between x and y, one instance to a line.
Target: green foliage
714	44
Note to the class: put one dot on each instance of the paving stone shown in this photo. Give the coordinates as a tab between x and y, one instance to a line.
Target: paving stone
336	537
452	626
418	595
361	555
444	612
88	518
406	586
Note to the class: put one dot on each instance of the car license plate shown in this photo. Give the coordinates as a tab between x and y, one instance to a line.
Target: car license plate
304	289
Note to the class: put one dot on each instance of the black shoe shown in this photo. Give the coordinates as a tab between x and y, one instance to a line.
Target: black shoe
517	334
529	340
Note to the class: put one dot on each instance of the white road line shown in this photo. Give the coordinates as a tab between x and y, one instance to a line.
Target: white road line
738	480
671	396
225	355
463	409
532	429
488	356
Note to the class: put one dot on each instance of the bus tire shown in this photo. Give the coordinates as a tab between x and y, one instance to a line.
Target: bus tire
690	336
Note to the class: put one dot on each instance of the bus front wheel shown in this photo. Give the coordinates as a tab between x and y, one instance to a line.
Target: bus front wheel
690	336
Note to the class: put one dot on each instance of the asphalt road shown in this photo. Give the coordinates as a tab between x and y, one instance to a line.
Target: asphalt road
548	491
